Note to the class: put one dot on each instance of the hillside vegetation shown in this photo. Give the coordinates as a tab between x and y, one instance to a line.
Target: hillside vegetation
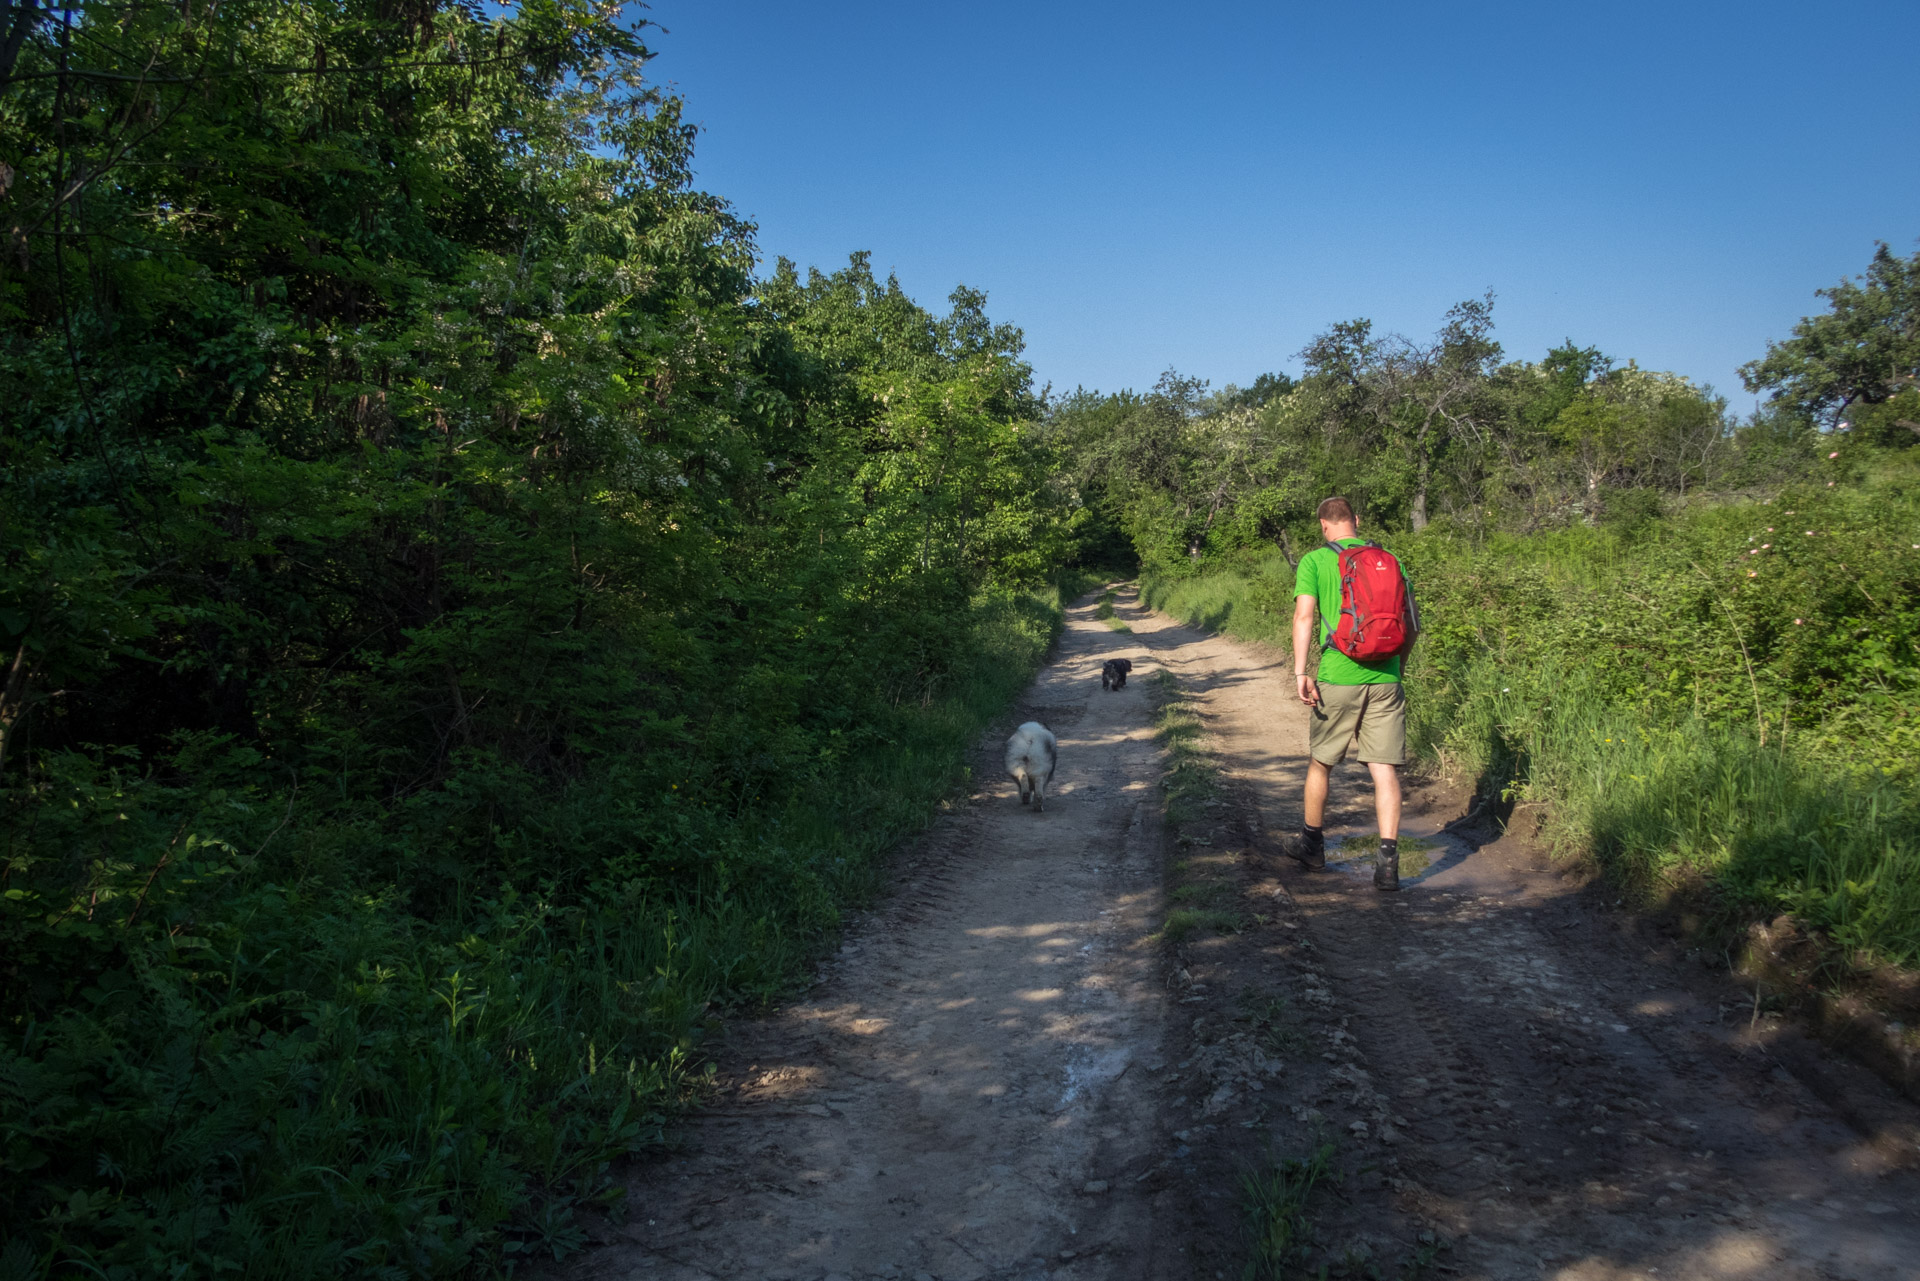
462	628
1694	636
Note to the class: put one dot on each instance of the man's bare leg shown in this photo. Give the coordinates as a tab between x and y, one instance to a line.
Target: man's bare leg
1309	848
1318	778
1386	797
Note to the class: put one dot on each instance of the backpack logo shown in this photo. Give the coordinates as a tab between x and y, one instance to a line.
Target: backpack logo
1378	619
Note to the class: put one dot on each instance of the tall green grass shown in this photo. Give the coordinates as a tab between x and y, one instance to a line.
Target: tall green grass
1662	802
1253	601
315	1082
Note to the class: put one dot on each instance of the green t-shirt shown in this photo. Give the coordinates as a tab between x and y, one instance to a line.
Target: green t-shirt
1318	576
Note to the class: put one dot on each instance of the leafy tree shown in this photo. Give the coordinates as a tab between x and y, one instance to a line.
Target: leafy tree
1264	390
1865	351
441	592
1428	399
1437	391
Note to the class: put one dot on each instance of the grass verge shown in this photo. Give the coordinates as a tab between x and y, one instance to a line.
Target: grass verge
1191	780
1688	803
1200	891
1252	602
1104	612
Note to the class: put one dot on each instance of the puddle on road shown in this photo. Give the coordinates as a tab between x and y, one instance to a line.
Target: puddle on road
1416	852
1420	856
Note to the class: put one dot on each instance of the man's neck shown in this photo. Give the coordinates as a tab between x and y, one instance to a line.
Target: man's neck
1342	534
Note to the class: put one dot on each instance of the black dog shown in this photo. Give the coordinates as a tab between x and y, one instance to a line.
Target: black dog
1113	674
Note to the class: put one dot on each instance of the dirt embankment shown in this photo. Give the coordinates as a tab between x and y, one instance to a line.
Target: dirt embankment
1005	1074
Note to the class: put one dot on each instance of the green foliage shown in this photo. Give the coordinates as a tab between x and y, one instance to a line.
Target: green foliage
1773	829
460	631
1730	695
1410	432
1251	600
1861	358
1796	615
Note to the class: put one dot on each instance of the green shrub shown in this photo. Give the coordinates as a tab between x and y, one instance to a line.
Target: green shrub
237	1056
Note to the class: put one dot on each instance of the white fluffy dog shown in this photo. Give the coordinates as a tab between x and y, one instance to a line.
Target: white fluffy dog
1031	754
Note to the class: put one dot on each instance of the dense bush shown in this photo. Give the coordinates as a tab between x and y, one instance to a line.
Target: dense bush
254	1052
461	629
1731	694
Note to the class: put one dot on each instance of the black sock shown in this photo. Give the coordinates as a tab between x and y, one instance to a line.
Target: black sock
1313	836
1389	846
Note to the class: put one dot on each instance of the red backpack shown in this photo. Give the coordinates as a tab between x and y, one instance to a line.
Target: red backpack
1377	615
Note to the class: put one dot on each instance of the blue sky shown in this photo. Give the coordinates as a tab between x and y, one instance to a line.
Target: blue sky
1206	186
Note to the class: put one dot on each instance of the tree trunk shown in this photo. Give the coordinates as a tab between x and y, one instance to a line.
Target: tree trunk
13	698
1419	513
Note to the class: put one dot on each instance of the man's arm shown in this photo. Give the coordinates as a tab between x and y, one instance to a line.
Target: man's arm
1306	625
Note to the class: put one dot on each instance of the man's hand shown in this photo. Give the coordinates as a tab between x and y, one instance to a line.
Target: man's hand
1306	610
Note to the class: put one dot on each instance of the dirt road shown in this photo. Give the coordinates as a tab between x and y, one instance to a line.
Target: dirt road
1005	1074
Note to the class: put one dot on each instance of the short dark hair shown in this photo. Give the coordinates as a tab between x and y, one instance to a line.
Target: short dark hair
1334	510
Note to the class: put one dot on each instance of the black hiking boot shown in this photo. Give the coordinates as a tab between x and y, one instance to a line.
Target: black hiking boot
1311	855
1386	866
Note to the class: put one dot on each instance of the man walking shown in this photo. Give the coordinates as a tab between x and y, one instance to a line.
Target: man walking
1351	700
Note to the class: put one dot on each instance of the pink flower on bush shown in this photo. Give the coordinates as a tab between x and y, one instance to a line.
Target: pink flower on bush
1798	621
1834	454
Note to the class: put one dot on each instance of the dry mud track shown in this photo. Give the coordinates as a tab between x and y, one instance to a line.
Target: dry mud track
1004	1074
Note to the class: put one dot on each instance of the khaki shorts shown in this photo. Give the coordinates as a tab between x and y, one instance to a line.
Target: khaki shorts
1373	715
